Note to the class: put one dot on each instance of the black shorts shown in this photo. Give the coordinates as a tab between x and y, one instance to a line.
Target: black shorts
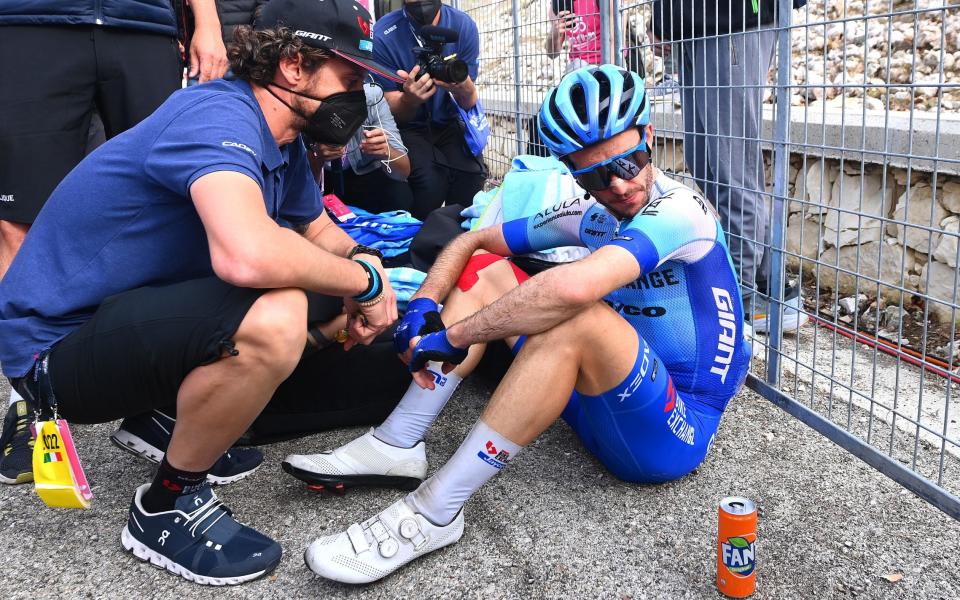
52	78
138	347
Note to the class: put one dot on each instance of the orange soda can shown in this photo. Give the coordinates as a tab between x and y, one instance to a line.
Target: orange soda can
736	547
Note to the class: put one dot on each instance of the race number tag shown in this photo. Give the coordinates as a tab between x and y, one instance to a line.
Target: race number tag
57	474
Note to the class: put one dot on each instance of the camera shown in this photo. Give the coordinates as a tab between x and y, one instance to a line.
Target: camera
448	69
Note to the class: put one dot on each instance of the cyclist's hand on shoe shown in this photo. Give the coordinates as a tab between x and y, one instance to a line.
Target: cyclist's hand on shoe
433	347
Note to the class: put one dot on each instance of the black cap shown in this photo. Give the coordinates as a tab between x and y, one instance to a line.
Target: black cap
341	26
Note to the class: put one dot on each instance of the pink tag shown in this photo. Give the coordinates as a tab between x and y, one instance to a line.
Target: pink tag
338	208
79	477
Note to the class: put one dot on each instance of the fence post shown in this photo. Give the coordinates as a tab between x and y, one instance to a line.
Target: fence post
516	76
617	34
603	6
781	170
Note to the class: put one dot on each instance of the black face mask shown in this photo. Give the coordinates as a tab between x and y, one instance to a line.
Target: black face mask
338	117
423	13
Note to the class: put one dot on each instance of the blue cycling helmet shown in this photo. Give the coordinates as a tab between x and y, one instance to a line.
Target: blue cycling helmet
590	105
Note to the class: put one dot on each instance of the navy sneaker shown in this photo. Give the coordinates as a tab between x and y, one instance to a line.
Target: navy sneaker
199	540
16	445
148	435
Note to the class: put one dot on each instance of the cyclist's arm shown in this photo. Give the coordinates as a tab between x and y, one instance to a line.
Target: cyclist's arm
548	298
551	228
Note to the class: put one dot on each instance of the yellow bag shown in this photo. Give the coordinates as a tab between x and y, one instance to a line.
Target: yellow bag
57	474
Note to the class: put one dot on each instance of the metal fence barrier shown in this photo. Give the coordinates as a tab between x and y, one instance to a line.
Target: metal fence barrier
858	139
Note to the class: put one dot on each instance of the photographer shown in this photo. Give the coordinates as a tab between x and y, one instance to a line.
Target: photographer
443	169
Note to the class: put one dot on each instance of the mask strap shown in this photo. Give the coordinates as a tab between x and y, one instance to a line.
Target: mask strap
286	89
284	102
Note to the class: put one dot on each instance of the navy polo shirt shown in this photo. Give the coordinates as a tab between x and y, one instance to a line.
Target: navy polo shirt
123	218
393	43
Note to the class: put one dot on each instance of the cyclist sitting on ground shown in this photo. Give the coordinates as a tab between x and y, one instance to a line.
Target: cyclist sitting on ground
639	346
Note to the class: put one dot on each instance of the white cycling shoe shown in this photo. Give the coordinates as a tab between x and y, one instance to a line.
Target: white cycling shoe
365	461
371	550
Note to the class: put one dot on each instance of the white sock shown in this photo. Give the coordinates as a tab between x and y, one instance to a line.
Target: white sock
479	457
417	410
14	397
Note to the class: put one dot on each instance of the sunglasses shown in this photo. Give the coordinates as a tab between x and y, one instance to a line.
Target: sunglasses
626	166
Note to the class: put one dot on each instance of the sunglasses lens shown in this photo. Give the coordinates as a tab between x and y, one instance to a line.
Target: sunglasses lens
594	180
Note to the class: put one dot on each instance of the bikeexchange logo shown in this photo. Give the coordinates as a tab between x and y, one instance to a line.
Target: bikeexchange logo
493	457
738	555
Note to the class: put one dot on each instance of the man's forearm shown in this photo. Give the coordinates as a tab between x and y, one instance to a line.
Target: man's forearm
332	239
205	14
282	258
465	94
537	305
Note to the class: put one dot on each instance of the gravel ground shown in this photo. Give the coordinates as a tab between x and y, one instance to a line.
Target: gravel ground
553	525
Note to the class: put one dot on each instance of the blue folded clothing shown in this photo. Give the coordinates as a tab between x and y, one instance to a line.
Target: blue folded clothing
389	232
405	282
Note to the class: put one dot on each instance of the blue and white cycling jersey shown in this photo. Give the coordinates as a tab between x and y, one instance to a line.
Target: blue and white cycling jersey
685	303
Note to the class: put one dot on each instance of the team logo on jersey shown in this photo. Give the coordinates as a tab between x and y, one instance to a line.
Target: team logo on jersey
728	333
738	554
567	208
677	421
671	396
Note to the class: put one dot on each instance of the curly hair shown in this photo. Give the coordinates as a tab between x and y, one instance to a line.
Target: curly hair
255	55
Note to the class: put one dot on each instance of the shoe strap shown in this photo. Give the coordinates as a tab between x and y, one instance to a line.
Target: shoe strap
359	541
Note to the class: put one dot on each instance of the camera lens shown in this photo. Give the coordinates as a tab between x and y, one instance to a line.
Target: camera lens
456	71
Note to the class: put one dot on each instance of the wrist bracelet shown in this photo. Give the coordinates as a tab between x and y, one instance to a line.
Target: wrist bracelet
375	285
370	303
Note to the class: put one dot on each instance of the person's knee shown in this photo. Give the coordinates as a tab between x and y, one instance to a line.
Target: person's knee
13	233
274	331
486	277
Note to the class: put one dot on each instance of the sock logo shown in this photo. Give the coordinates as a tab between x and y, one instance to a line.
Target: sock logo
440	379
173	487
496	458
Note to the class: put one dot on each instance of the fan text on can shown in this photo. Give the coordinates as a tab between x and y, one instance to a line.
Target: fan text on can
736	547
